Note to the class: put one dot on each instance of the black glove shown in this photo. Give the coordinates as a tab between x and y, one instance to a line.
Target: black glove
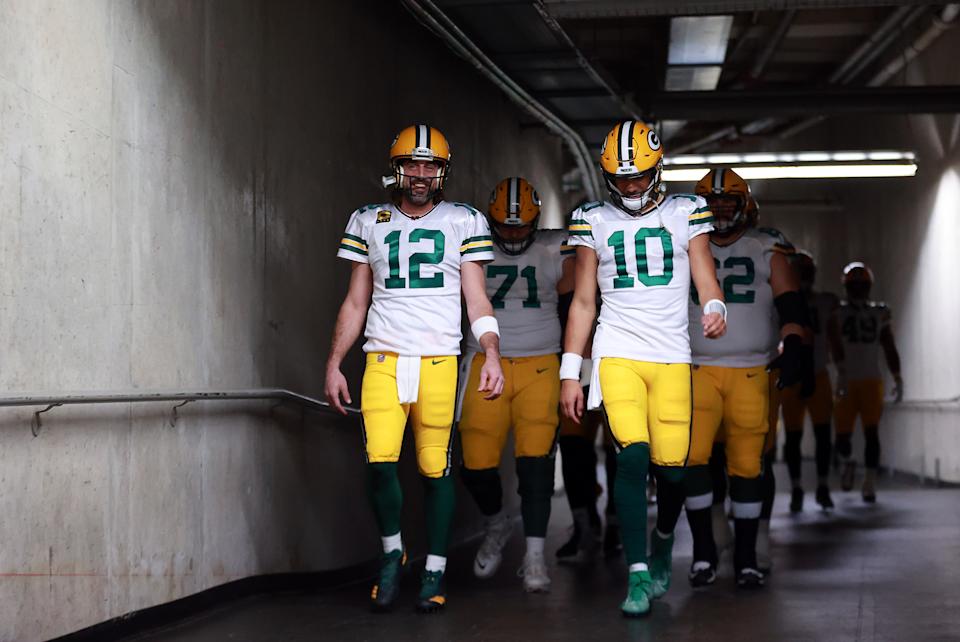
808	376
790	362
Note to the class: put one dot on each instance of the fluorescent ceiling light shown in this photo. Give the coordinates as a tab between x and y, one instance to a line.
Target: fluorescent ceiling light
699	40
703	78
774	158
769	172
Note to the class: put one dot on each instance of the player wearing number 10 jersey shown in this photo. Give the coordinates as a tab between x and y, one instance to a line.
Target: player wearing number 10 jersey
411	260
640	250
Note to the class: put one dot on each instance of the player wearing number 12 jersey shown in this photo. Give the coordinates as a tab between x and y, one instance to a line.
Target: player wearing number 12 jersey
529	271
411	260
640	250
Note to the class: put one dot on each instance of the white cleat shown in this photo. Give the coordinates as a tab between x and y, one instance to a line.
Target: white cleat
490	554
534	574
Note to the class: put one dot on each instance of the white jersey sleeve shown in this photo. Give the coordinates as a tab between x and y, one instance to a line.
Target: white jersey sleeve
353	244
753	328
700	220
477	244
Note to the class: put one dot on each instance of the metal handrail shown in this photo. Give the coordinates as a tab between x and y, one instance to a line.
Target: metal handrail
52	401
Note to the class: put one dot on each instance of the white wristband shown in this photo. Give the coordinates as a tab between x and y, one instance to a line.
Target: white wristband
570	366
484	325
715	305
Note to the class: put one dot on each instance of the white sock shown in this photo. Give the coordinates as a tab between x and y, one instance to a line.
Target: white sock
639	566
436	563
392	543
535	545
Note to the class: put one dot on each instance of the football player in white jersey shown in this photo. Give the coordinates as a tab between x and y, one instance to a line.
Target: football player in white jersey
530	270
859	330
411	259
640	250
730	379
821	306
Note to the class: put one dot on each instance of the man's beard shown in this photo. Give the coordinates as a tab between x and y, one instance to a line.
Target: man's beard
420	198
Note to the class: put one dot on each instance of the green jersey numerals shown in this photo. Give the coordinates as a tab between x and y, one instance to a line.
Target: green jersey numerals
511	272
732	280
857	329
418	259
624	278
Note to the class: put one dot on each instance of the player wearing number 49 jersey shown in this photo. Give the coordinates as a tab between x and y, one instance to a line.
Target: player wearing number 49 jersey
640	250
858	330
528	273
411	260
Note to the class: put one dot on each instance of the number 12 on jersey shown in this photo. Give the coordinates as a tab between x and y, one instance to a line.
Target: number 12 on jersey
624	278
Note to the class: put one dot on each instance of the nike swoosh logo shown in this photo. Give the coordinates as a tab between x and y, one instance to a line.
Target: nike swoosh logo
435	362
542	370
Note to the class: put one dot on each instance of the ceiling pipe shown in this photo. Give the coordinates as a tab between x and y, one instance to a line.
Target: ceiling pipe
940	23
428	14
767	54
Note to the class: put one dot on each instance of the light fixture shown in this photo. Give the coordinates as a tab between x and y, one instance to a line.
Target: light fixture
806	164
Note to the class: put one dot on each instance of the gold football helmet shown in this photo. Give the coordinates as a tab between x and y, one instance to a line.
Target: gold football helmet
421	143
514	204
730	200
632	150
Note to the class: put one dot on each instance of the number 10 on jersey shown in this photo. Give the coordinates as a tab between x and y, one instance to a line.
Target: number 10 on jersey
625	278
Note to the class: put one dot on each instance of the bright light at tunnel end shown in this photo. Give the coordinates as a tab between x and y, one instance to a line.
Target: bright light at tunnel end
810	165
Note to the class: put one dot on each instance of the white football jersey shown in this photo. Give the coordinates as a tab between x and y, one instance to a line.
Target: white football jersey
415	309
753	325
822	306
523	291
643	275
860	327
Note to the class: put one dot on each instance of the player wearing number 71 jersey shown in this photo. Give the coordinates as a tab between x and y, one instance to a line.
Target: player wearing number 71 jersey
411	259
641	250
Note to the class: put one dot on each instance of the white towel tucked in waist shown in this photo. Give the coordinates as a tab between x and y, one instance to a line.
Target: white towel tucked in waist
595	397
408	378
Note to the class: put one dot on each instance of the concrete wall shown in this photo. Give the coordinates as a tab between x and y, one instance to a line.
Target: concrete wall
174	179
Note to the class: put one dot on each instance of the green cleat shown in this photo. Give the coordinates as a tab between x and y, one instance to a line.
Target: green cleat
637	603
661	564
387	588
433	595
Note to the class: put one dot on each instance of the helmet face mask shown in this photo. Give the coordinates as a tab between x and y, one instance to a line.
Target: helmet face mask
729	212
632	152
729	199
420	158
514	214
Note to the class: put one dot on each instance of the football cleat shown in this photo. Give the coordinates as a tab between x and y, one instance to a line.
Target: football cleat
534	573
823	498
750	578
848	475
433	594
661	563
385	591
702	574
869	492
796	500
490	553
568	552
637	603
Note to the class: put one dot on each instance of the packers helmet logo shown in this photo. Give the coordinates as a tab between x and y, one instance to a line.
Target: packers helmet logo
383	216
653	140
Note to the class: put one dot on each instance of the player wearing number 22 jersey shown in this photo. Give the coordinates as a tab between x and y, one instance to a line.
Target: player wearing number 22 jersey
524	281
640	250
411	259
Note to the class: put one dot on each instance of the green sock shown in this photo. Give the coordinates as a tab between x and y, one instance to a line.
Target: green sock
439	503
383	491
535	480
633	462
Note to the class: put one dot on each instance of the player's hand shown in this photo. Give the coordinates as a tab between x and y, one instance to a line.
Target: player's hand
897	389
571	399
336	389
790	363
491	378
713	325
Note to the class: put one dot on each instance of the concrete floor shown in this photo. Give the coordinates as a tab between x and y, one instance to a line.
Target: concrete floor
883	572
